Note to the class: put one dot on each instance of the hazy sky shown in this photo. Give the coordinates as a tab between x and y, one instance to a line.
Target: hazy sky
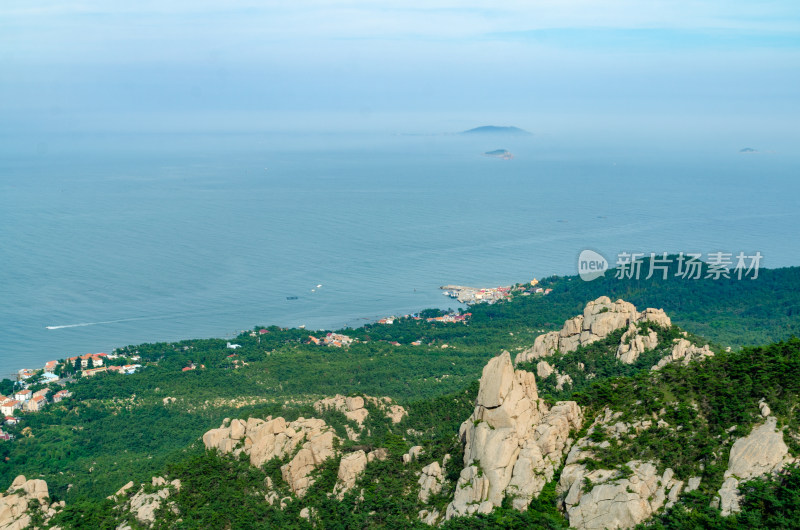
411	65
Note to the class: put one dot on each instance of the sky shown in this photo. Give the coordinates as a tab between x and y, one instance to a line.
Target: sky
410	66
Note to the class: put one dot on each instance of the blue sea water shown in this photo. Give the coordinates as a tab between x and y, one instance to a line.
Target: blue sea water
110	240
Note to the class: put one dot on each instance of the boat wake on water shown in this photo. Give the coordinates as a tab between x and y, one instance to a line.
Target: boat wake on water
82	324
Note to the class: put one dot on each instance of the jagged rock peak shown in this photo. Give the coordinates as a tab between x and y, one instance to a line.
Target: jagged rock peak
514	442
600	318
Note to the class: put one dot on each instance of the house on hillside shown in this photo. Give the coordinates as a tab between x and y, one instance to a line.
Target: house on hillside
8	408
49	377
61	394
23	395
94	371
337	339
36	404
24	374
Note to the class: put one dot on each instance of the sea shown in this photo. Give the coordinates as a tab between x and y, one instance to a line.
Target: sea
113	239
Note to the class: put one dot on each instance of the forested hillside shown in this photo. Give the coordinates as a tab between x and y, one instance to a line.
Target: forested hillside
120	428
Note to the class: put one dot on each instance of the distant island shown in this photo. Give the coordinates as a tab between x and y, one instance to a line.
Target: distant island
748	150
499	153
493	129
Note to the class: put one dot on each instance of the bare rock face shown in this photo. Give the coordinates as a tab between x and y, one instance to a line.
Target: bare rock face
316	450
684	352
378	454
606	498
542	453
632	344
22	498
600	318
351	407
429	517
543	369
144	506
431	479
350	468
264	440
123	490
763	451
615	501
513	441
413	454
354	407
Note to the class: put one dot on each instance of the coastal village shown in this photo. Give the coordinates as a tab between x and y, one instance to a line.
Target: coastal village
465	295
490	295
33	388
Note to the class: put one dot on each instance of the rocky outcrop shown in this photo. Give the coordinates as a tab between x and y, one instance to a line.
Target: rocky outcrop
763	451
545	370
145	502
605	499
351	407
413	454
350	468
354	407
318	448
432	479
429	517
22	499
514	442
614	498
378	454
633	344
264	440
600	318
684	352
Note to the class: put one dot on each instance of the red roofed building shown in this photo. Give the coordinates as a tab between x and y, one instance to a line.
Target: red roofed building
36	404
23	395
61	394
8	408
